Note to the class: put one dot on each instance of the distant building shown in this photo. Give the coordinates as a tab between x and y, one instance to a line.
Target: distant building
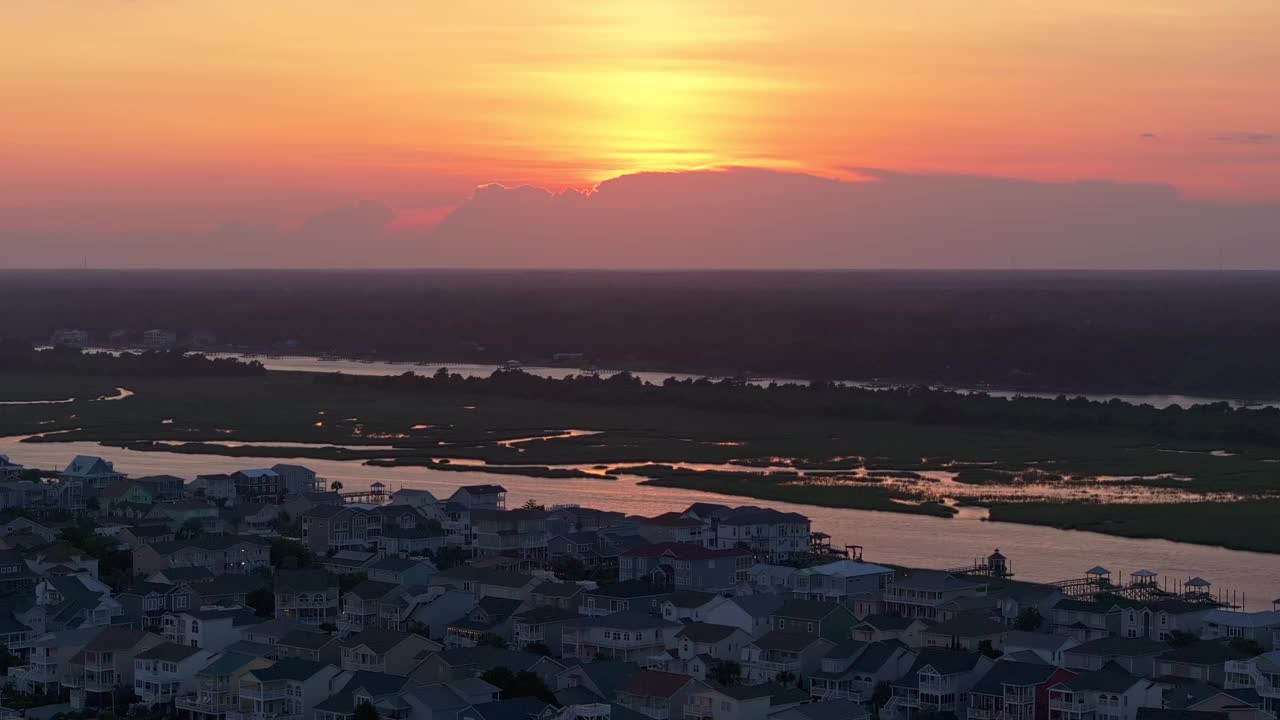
93	471
159	339
9	470
257	485
69	338
202	339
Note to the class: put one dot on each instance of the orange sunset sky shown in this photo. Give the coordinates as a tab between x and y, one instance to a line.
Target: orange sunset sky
167	115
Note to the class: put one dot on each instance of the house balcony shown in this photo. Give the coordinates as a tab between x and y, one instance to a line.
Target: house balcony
204	703
263	693
777	666
307	604
822	692
245	715
648	708
1068	705
698	710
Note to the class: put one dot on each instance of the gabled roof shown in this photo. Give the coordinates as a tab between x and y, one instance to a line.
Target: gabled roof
306	639
546	614
521	708
489	657
701	632
310	580
887	623
629	589
486	576
372	589
288	669
483	489
682	551
935	580
379	640
115	637
1015	674
690	598
169	652
1204	652
186	574
945	662
1112	646
557	589
1111	678
627	620
209	543
655	683
875	656
751	515
811	610
786	641
967	625
758	606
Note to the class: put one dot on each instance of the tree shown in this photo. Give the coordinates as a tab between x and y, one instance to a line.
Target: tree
7	659
1247	646
191	527
520	684
365	711
491	640
986	648
336	485
449	556
291	554
263	602
1029	620
727	673
532	504
537	649
347	581
1180	638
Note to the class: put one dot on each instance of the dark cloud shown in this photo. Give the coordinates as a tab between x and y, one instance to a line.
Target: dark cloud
1248	138
1148	136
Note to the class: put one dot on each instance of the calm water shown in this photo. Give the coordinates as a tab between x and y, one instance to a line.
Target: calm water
298	363
1037	553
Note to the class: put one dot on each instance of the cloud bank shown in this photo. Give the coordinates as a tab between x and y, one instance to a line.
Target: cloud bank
733	218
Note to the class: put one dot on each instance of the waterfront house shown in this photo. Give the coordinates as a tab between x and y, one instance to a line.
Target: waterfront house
1085	620
251	518
1202	660
257	485
520	534
9	470
183	514
297	479
309	597
480	497
832	621
1231	624
1260	674
1014	691
633	635
214	486
593	549
682	566
335	528
91	470
920	593
675	528
1159	619
166	671
1046	647
839	580
767	532
779	654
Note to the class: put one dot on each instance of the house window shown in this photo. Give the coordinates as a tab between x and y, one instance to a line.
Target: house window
809	627
180	602
781	623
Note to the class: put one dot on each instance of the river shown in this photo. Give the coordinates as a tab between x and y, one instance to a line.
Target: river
302	363
1036	553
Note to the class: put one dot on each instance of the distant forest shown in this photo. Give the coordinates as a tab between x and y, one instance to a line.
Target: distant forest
1208	333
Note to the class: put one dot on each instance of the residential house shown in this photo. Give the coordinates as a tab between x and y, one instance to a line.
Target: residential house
1260	674
920	593
134	536
853	669
289	688
422	500
297	480
561	595
630	595
1134	655
1085	620
480	497
461	663
258	485
718	642
220	554
166	671
540	625
633	635
711	702
346	562
675	528
228	590
767	532
1106	694
1014	691
1230	624
183	515
490	616
340	527
401	571
839	580
61	559
779	654
70	601
752	613
145	603
310	645
436	614
832	621
209	629
936	683
1159	619
973	631
362	605
597	681
1046	648
592	549
878	628
48	655
105	662
825	710
91	470
9	470
309	597
217	687
683	566
485	582
520	534
216	486
390	696
1202	660
690	604
656	694
251	518
385	651
15	573
1199	697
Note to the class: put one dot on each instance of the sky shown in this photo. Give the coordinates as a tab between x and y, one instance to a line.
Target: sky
325	132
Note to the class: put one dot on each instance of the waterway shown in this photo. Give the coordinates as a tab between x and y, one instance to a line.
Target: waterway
301	363
1037	553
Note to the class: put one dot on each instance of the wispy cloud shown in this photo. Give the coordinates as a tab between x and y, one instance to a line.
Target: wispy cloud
1248	138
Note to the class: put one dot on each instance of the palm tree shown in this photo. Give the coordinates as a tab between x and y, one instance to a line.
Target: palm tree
336	485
